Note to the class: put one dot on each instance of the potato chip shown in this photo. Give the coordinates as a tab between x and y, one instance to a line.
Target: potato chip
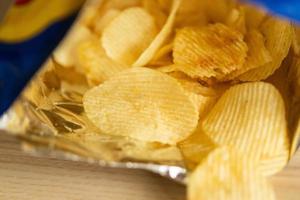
294	94
191	19
121	4
279	37
257	54
89	12
101	21
92	60
152	6
202	103
295	140
164	61
186	6
237	20
167	68
144	104
250	117
193	85
128	35
254	16
163	51
64	53
225	175
161	37
163	57
212	51
218	10
195	148
191	13
296	41
199	13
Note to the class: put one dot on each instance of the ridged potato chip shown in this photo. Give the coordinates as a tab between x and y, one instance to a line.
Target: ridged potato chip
198	13
295	140
121	4
161	37
195	148
101	21
237	20
92	61
167	68
250	118
254	17
225	175
257	54
128	35
202	103
64	53
278	35
211	51
218	10
186	6
144	104
191	13
296	40
163	51
191	19
294	92
193	85
152	6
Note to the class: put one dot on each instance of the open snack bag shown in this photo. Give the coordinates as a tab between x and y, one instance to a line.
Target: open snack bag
203	92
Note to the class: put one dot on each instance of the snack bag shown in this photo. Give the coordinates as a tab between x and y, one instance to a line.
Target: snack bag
29	32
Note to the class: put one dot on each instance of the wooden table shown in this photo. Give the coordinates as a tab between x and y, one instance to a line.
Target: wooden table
25	177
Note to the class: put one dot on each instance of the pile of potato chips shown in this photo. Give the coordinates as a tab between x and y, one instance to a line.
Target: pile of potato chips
207	77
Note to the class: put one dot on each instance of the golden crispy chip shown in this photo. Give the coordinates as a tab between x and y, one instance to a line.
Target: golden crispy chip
167	68
237	20
202	103
91	60
164	61
199	13
163	51
293	85
161	37
128	35
101	21
191	13
225	175
296	41
152	6
257	54
212	51
191	19
138	103
250	117
295	140
193	85
121	4
89	12
64	53
186	6
163	57
278	35
218	10
201	96
195	148
254	17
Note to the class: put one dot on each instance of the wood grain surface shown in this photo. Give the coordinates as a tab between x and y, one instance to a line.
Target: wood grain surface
35	178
